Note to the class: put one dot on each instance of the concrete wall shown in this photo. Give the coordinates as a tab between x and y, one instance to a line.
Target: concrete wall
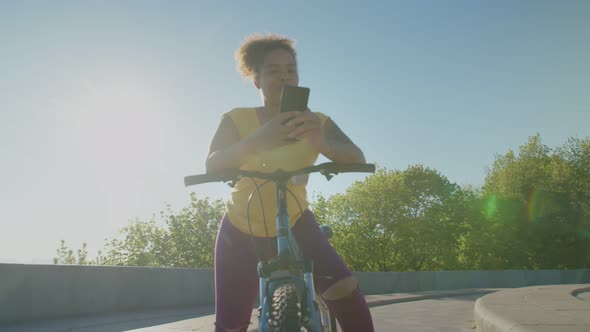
403	282
30	292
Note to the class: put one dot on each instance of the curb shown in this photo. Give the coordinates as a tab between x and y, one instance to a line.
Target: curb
374	301
534	308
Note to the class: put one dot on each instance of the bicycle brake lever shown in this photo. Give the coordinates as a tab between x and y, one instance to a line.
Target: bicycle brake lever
326	174
232	183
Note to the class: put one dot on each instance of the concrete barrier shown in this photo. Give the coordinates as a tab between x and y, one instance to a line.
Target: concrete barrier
401	282
31	292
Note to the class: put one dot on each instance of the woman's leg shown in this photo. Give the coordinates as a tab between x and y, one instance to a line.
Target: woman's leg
236	279
332	278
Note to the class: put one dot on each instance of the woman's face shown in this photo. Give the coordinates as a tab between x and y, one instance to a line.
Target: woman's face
278	69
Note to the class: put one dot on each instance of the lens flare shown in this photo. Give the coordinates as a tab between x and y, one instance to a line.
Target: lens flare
545	205
491	206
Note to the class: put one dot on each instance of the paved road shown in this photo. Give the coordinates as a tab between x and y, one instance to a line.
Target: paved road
437	315
584	296
441	315
444	314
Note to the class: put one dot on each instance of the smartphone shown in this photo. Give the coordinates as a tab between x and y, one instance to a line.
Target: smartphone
294	99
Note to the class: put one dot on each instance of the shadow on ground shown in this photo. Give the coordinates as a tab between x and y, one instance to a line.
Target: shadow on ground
113	322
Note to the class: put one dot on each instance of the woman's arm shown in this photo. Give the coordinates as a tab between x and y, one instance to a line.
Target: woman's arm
226	150
327	139
338	147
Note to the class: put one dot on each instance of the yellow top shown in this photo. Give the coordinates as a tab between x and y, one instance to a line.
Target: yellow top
288	158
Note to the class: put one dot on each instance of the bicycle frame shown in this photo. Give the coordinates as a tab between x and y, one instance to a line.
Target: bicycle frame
291	265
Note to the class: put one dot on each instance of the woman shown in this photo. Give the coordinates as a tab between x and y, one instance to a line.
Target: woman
263	139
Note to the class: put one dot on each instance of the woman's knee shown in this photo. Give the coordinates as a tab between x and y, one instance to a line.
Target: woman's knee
340	289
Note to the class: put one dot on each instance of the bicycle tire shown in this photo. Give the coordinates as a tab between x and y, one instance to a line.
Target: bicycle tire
285	310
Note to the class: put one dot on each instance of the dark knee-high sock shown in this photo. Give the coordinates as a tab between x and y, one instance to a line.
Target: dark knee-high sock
352	313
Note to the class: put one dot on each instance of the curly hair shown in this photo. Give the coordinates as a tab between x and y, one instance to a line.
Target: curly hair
250	55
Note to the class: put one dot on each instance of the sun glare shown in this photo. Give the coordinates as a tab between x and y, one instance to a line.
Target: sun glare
117	127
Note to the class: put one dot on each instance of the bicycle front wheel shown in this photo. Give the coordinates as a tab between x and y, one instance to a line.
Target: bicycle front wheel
285	311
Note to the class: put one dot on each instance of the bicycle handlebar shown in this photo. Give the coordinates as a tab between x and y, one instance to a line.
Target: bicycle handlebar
232	175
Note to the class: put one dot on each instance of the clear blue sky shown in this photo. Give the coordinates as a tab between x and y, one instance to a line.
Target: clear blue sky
106	106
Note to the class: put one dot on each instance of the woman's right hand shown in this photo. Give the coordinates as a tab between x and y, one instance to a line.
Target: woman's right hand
274	133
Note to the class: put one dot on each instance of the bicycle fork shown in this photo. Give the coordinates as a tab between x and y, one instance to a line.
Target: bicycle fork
313	313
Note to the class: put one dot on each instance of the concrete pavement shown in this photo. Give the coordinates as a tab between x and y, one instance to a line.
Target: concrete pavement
447	314
383	308
552	308
538	308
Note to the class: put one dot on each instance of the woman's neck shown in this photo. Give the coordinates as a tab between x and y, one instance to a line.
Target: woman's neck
270	110
265	114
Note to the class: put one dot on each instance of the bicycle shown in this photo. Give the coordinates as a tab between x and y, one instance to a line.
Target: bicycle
288	300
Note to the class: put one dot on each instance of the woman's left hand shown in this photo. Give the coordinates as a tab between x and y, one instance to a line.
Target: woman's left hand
307	125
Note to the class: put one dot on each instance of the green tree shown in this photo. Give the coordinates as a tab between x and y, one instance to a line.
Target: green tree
176	239
138	244
536	206
65	255
396	221
192	233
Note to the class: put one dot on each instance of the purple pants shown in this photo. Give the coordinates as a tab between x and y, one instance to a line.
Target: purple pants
236	278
